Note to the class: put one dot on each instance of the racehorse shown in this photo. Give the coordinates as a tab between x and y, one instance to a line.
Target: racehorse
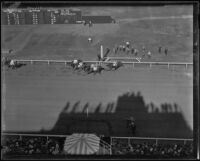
74	64
115	65
95	69
13	64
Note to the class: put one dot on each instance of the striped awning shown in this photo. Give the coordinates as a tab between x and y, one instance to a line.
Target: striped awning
81	144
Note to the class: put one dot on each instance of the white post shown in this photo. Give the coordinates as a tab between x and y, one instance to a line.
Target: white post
101	51
186	65
65	63
150	65
133	65
168	65
31	62
48	62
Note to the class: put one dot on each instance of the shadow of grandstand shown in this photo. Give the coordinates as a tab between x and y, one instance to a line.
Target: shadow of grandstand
160	122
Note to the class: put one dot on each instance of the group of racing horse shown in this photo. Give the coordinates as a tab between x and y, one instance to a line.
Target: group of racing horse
78	65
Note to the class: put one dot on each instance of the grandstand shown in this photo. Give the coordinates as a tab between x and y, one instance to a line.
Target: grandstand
34	145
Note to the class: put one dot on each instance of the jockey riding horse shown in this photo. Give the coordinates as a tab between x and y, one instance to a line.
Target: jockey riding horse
115	65
75	63
95	68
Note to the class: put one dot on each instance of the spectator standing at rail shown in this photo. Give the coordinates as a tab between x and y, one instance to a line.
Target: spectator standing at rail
115	49
124	48
127	50
160	49
107	51
143	51
120	47
132	50
84	23
166	51
89	39
90	24
127	44
149	54
135	52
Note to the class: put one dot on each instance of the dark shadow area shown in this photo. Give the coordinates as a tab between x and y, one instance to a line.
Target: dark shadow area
151	121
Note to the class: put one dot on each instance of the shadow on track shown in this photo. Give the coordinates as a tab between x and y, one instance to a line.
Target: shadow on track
111	121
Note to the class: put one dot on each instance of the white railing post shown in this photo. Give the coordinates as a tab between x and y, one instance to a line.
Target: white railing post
20	137
65	63
31	62
48	62
168	65
186	65
150	65
133	65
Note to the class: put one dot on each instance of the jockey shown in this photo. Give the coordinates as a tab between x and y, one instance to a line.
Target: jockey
89	39
12	63
127	44
94	68
80	64
149	54
75	61
124	48
114	64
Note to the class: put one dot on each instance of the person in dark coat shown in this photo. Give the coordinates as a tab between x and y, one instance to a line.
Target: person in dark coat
166	51
160	49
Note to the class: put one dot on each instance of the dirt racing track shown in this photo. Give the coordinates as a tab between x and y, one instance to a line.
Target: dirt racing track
56	98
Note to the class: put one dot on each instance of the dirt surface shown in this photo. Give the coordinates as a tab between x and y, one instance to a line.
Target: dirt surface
36	95
153	28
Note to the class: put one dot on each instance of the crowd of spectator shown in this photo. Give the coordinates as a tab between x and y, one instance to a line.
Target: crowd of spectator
27	145
149	149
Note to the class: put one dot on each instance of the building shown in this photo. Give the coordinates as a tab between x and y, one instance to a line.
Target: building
35	16
98	19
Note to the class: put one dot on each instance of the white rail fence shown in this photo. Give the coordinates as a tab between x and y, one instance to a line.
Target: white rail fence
150	64
102	143
105	145
152	139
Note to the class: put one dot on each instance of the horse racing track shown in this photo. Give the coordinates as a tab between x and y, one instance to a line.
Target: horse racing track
56	99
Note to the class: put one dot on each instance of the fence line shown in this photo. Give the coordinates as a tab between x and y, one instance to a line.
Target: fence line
148	138
107	62
45	135
114	137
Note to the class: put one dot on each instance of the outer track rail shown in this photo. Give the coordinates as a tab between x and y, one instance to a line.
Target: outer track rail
107	62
